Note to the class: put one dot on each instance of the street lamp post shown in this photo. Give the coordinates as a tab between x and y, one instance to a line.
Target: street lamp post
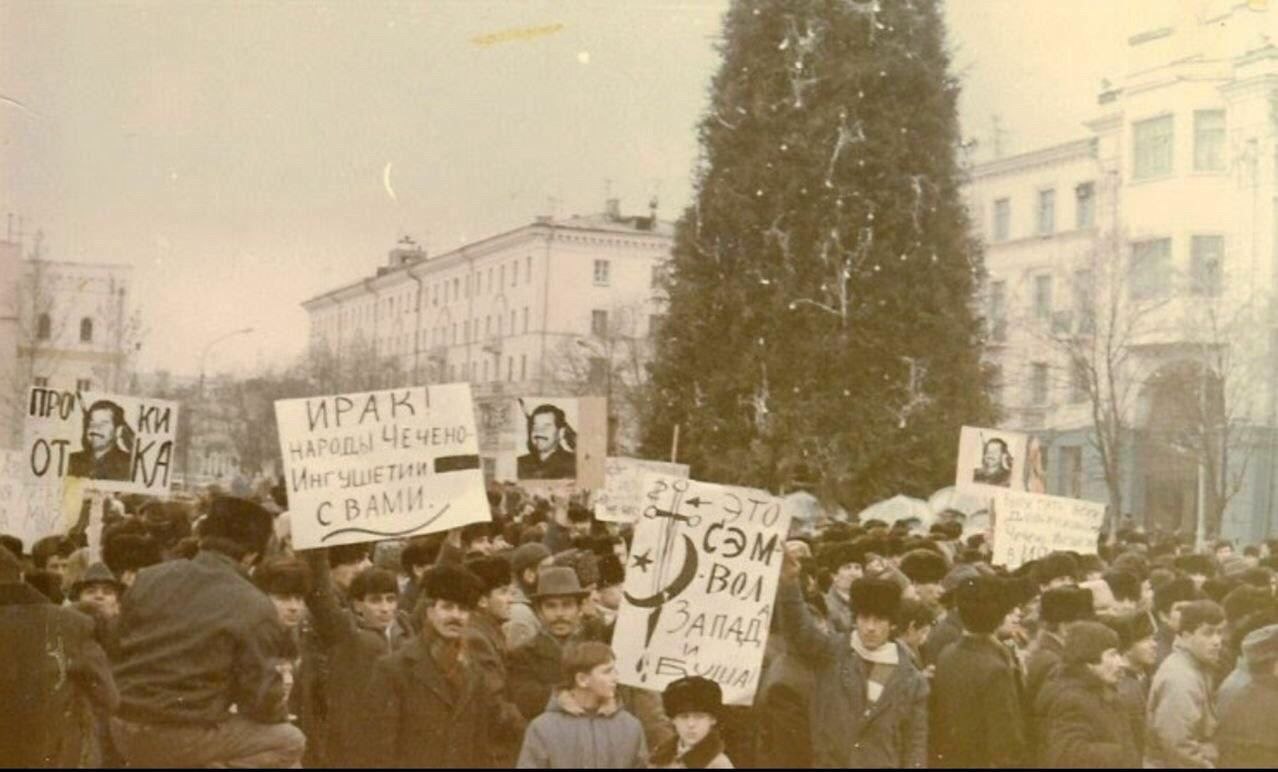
186	444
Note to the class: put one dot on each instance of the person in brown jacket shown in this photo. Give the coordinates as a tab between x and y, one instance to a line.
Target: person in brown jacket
486	644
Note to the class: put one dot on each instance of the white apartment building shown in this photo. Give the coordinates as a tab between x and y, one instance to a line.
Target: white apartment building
67	325
556	306
1154	231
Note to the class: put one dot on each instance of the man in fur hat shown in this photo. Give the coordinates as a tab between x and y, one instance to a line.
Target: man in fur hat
845	562
925	569
869	707
128	553
978	709
485	643
694	704
184	663
427	705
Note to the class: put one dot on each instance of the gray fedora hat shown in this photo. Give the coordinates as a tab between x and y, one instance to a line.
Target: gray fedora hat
558	581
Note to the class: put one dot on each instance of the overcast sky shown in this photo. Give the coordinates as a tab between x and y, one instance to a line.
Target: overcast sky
236	153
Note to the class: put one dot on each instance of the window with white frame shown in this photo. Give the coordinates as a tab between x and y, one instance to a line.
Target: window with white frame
598	322
1209	140
1152	144
1043	297
1085	205
1002	219
998	310
602	268
1046	212
1149	272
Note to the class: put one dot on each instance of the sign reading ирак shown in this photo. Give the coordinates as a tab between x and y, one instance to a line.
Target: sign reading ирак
380	464
697	598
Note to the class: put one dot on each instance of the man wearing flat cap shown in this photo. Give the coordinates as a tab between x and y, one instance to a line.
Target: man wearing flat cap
196	638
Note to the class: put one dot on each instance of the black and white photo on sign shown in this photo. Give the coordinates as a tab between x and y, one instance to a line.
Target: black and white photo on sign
549	449
115	442
991	457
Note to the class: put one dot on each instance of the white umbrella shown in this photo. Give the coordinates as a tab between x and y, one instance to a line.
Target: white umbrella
900	507
962	501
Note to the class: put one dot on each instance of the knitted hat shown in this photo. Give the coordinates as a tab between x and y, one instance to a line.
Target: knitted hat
1066	604
240	521
557	581
1261	647
97	573
692	694
528	556
924	566
611	571
875	597
452	584
1087	641
492	572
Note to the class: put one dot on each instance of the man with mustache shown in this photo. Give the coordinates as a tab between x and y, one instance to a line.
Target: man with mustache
102	458
428	706
546	458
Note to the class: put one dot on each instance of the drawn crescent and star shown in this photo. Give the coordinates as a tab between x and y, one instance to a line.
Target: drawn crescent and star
678	585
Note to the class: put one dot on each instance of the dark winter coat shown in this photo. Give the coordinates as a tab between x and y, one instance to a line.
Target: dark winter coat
1042	663
847	729
942	634
55	674
1246	735
977	710
1133	694
486	650
342	652
195	637
1084	724
419	717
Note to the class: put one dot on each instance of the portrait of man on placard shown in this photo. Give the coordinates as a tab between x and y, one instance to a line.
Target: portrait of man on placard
102	457
996	464
552	452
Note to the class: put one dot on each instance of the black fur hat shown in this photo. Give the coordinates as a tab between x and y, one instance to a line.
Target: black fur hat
239	520
492	572
875	597
692	694
984	601
130	552
834	556
1066	604
922	566
611	571
453	584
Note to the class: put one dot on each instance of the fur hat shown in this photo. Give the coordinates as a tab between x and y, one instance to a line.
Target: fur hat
528	556
240	521
875	597
984	601
835	556
692	694
283	576
923	566
1087	641
97	573
452	584
611	571
1260	647
491	572
130	552
1066	604
1124	584
558	581
1055	565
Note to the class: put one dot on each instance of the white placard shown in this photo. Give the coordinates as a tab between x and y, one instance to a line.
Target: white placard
28	510
381	464
991	459
1028	526
114	442
700	584
618	501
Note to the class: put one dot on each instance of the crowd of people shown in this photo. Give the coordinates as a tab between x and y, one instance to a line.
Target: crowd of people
202	638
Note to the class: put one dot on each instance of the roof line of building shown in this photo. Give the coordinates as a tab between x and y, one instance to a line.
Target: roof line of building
1064	151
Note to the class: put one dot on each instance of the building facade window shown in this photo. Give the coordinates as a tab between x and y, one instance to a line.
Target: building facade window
523	367
86	330
1002	219
1207	253
602	268
510	368
1038	383
44	327
1085	205
1152	144
525	318
1149	272
528	270
1046	212
998	310
598	323
1209	140
1084	301
1079	382
1042	297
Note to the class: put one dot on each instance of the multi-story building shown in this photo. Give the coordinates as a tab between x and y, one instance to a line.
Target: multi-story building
66	325
556	306
1145	250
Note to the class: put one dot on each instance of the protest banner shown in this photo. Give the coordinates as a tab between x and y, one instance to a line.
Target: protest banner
116	443
1028	526
700	583
548	444
381	464
990	459
618	501
27	510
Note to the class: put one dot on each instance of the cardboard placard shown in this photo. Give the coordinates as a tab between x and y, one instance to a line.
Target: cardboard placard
381	464
114	442
1028	526
700	583
619	500
991	459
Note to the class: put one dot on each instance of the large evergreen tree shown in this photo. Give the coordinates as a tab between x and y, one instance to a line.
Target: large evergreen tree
821	289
